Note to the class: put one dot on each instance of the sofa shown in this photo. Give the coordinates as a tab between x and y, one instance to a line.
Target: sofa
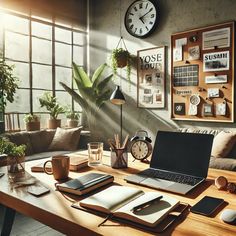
46	143
223	155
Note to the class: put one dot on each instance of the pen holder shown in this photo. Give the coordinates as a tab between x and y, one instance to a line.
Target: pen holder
119	158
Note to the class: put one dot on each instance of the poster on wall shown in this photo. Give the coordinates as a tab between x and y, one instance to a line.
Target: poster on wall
151	78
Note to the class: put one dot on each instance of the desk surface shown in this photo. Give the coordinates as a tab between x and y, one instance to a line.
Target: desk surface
55	210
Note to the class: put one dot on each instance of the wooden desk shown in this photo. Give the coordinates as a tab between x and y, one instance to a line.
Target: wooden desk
55	210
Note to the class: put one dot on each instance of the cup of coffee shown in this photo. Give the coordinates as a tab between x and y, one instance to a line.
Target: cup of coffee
60	167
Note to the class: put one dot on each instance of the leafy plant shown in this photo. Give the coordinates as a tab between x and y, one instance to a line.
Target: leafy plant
70	114
50	103
8	84
93	92
121	58
30	118
11	149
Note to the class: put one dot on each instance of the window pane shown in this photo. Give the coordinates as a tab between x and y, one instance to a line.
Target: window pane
42	30
16	23
42	76
62	35
62	54
78	55
78	38
63	98
21	102
21	71
41	51
63	75
16	46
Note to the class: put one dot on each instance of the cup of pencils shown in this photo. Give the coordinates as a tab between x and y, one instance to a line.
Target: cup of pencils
119	155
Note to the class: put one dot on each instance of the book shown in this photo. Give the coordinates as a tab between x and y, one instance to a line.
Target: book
121	200
85	183
77	162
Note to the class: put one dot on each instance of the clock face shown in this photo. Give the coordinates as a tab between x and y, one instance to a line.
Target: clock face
141	18
140	150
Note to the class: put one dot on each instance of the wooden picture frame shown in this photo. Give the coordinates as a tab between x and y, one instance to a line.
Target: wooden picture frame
202	64
151	77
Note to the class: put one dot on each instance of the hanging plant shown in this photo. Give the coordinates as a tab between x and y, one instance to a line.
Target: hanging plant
119	59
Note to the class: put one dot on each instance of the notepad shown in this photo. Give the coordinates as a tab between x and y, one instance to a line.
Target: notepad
120	200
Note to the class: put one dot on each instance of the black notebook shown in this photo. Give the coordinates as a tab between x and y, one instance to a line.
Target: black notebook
85	183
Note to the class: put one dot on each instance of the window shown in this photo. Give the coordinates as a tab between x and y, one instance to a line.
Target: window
42	52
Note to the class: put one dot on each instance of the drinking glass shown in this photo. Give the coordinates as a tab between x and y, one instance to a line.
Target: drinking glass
95	152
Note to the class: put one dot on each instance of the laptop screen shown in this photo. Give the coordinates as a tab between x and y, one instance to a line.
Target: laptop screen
186	153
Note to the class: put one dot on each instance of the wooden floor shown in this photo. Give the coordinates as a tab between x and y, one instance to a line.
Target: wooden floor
25	226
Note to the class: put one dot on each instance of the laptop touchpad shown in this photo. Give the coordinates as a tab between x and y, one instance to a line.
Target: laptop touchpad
161	183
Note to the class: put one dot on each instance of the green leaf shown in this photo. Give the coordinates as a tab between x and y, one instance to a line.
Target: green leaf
103	84
81	75
97	73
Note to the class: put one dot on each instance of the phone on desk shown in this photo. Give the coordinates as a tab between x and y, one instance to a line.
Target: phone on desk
207	205
37	190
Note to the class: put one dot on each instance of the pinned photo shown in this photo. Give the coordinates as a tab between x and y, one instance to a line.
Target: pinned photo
213	92
194	53
221	109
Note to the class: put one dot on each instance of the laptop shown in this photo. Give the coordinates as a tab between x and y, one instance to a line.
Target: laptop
179	162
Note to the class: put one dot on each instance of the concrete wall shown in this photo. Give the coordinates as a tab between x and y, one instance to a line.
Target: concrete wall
176	16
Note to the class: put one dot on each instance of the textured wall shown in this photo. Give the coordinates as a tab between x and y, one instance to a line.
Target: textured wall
176	16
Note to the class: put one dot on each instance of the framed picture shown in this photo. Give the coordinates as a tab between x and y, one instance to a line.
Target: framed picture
151	78
207	109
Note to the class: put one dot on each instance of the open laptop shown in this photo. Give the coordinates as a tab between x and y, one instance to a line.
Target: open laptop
179	162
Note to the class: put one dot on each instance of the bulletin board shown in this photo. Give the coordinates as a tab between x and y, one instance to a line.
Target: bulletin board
202	74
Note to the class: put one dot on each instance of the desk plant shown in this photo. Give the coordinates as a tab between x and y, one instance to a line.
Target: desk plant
15	158
93	92
72	118
50	103
32	122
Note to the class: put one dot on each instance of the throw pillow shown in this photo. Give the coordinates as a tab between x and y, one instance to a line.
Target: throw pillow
223	143
65	139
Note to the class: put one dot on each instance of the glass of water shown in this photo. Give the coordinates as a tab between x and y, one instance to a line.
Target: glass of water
95	152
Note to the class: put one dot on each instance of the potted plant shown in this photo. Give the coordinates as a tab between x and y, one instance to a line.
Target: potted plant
72	118
93	92
119	59
14	158
50	103
32	122
8	86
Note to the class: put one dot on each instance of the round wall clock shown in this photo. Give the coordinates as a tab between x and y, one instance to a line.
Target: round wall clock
141	18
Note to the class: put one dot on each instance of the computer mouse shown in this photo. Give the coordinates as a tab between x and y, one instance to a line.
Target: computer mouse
228	216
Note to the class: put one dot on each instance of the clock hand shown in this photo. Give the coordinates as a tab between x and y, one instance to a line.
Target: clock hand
145	14
141	18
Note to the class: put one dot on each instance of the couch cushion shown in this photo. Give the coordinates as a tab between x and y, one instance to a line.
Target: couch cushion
42	155
41	140
223	144
21	138
65	139
223	163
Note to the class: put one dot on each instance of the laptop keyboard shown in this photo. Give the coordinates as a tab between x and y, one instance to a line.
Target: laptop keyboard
178	178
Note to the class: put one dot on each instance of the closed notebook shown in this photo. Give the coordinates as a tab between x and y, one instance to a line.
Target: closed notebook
85	183
120	200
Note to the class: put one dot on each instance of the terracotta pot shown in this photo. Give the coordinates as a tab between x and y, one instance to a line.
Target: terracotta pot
54	123
72	123
31	126
121	61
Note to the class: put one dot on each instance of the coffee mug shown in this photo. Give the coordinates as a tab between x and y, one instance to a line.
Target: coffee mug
60	167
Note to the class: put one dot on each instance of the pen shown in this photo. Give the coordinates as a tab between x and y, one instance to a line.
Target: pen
146	203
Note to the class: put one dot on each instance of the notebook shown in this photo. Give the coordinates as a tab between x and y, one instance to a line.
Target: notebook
179	162
126	198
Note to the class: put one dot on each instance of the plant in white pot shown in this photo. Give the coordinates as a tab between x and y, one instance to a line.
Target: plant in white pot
50	103
14	158
72	118
32	122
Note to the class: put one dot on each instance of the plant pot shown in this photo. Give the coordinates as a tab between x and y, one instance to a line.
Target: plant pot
31	126
15	168
72	123
54	123
121	61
